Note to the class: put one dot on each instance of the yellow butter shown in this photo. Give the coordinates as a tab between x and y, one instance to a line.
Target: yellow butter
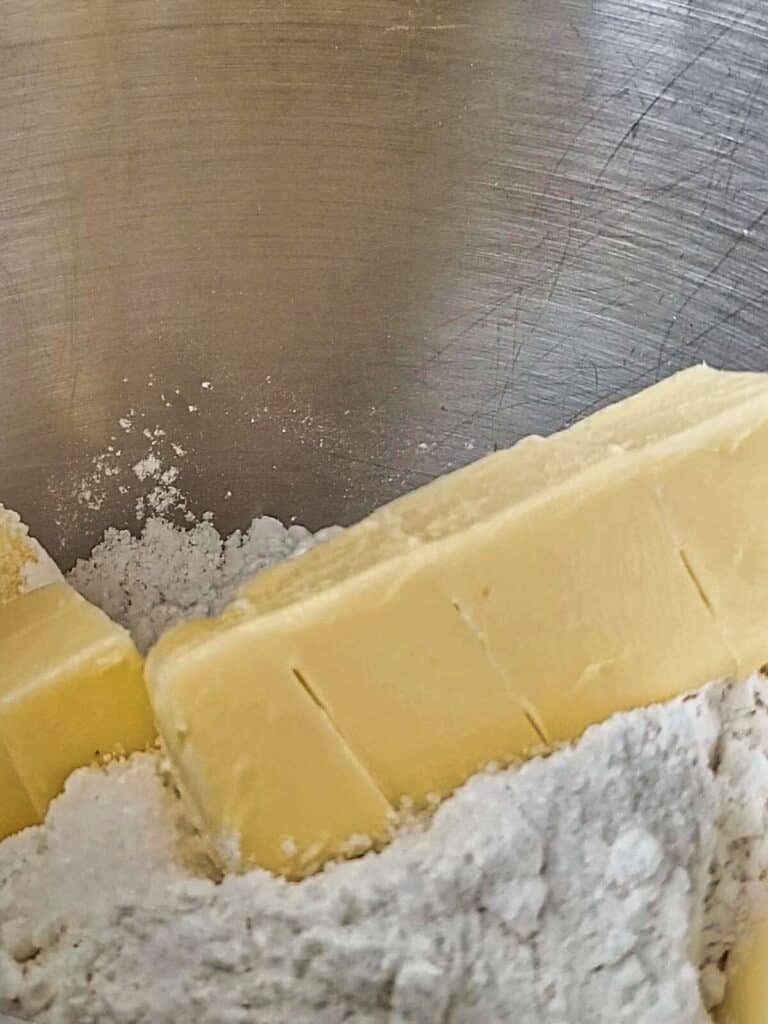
71	689
263	764
562	559
24	565
526	597
714	500
746	999
16	809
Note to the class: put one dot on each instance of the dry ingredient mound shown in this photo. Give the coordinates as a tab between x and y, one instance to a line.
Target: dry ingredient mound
605	883
148	583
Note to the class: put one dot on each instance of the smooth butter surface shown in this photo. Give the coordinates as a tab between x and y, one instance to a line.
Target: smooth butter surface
24	565
265	767
526	597
71	691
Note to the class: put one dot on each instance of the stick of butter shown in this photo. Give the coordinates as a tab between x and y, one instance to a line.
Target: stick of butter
24	565
746	999
71	691
267	770
514	602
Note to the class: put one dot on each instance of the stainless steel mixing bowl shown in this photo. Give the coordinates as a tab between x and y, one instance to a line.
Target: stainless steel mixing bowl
391	235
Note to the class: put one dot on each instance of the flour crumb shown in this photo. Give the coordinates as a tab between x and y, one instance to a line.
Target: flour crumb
150	482
148	467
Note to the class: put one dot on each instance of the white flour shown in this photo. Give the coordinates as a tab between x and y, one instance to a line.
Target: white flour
150	484
150	582
587	887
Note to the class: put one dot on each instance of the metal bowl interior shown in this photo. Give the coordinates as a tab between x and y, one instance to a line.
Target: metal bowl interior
333	250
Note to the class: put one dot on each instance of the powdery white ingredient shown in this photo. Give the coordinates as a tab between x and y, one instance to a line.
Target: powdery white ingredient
150	466
149	582
605	883
571	890
740	859
149	481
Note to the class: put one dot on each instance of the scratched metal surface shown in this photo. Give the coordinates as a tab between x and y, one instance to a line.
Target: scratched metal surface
392	235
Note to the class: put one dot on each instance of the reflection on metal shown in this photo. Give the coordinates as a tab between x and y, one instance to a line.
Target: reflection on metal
392	235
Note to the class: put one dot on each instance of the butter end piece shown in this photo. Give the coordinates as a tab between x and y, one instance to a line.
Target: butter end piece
71	689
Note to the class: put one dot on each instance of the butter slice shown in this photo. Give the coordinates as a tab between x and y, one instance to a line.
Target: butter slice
265	767
71	691
517	601
746	999
24	565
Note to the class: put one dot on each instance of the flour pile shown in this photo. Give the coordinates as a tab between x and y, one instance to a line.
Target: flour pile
605	883
148	583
